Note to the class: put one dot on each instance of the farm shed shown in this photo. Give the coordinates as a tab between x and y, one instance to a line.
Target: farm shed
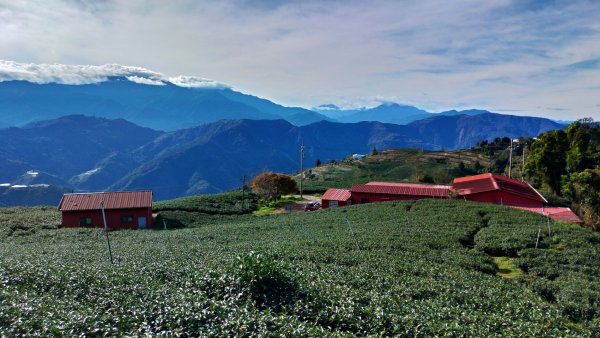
496	189
386	191
124	210
336	198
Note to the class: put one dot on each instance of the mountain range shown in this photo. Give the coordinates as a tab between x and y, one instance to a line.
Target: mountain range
83	153
112	127
171	107
387	113
162	107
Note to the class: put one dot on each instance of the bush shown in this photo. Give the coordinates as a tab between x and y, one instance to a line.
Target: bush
266	280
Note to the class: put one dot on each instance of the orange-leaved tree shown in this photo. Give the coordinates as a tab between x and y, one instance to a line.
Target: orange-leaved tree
270	186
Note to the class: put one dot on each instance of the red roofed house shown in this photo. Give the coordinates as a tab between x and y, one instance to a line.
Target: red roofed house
497	189
381	192
124	210
336	198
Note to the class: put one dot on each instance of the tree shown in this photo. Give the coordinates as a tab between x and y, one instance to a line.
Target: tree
583	189
478	167
569	163
547	159
583	145
317	163
426	178
270	186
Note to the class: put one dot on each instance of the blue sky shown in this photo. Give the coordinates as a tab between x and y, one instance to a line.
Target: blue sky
539	58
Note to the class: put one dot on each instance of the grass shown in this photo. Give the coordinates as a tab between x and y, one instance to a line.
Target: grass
263	211
269	207
507	268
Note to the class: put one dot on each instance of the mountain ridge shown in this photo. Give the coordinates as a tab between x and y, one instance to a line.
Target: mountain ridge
91	153
166	107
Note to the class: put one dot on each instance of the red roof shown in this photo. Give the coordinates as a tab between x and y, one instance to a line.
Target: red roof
402	189
490	182
555	213
336	195
111	200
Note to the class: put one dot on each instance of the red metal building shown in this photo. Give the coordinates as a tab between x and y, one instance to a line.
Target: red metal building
124	210
336	198
496	189
486	188
381	192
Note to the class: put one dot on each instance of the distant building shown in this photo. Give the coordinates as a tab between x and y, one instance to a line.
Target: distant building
123	210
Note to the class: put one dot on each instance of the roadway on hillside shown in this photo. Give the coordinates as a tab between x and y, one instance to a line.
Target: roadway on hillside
298	205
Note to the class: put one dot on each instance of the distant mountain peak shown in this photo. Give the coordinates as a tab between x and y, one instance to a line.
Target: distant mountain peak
89	74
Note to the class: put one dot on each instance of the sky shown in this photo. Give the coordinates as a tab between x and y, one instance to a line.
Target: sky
536	58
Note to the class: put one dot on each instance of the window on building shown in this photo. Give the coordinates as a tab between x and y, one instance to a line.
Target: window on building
333	204
126	219
364	200
85	221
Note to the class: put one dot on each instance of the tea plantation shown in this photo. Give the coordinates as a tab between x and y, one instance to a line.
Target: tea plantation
422	268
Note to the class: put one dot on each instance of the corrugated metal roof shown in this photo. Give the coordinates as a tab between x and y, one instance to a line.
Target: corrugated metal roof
402	189
556	213
336	195
489	182
111	200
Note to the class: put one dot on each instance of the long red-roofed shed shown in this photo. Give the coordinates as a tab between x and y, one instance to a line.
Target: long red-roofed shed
491	188
123	210
389	191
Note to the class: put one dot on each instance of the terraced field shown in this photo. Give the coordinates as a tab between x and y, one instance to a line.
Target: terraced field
421	268
397	165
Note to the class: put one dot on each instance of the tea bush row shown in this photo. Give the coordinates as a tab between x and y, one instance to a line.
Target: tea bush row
389	269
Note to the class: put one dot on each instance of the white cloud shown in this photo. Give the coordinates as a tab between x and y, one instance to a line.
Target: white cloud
195	82
84	74
145	80
437	55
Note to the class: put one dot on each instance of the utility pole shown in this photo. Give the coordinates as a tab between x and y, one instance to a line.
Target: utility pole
243	188
106	232
510	159
523	166
301	167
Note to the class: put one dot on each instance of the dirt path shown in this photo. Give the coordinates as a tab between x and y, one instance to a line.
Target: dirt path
296	206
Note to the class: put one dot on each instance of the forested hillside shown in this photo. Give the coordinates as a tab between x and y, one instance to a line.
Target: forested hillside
566	164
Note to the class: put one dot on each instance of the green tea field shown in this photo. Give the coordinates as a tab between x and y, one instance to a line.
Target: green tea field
424	268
